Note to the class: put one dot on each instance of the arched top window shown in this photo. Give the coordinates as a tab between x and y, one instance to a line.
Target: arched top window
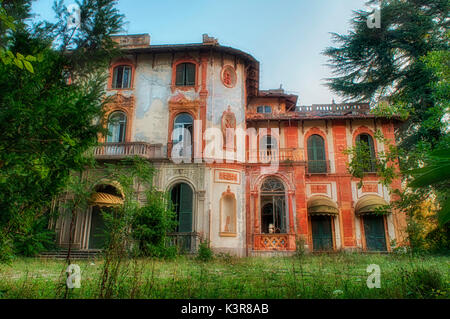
272	185
121	77
182	122
117	124
316	154
185	74
367	140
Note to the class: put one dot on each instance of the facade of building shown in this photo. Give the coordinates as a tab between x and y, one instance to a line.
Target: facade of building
247	169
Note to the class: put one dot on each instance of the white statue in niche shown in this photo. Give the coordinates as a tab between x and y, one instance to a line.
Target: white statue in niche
228	212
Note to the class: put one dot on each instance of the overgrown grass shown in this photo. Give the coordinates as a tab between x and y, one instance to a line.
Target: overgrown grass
312	276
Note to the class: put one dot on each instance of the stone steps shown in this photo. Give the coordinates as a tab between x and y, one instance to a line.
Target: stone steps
74	254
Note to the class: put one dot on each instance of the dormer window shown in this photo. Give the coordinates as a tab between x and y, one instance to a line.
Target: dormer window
185	74
264	109
121	77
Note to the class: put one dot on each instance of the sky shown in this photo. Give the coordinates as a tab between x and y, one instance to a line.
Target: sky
287	37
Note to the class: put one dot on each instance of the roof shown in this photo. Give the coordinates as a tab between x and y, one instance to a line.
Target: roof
205	47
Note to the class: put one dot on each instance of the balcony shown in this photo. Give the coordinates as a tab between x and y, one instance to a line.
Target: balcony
145	150
318	167
274	241
273	156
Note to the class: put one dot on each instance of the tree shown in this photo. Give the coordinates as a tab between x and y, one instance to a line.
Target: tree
48	124
398	61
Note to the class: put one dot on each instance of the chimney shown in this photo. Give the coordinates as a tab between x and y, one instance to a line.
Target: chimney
209	40
132	41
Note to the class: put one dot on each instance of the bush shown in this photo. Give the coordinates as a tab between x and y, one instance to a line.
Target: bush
423	283
151	224
204	252
300	247
35	238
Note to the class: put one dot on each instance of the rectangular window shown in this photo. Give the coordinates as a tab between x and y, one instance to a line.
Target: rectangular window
185	74
122	77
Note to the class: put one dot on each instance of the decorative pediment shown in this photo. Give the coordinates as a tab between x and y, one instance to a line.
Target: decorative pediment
121	101
181	102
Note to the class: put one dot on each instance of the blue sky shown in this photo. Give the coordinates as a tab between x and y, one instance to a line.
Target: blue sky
285	36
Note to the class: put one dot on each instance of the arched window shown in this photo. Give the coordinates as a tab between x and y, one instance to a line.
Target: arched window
316	154
273	207
185	74
117	125
367	140
121	77
182	135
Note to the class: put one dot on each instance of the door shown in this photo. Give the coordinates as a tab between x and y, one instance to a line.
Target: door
375	233
322	233
182	199
97	236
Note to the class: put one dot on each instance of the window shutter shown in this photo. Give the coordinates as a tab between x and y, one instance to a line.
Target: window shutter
185	213
190	74
126	77
179	80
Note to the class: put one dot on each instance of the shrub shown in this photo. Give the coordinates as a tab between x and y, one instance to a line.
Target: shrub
422	282
204	251
151	224
35	238
300	247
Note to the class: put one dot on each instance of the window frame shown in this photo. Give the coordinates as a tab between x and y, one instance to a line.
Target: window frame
116	65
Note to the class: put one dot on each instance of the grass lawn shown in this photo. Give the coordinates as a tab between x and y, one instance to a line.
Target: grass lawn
313	276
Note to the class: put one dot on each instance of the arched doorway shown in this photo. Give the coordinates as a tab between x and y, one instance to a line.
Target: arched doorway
273	207
104	199
182	198
372	211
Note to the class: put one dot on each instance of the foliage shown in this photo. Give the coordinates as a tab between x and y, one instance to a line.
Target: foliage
35	239
8	24
423	282
151	224
48	125
205	253
436	172
300	247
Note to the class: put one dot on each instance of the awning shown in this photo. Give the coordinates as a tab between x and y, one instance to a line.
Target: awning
105	199
370	204
322	205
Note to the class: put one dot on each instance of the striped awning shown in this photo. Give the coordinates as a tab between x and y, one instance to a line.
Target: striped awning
371	204
105	199
322	205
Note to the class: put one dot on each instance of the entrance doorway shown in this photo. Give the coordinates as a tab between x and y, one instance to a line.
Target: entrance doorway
374	232
322	233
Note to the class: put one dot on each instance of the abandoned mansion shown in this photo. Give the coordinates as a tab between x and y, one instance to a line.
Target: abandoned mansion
248	170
